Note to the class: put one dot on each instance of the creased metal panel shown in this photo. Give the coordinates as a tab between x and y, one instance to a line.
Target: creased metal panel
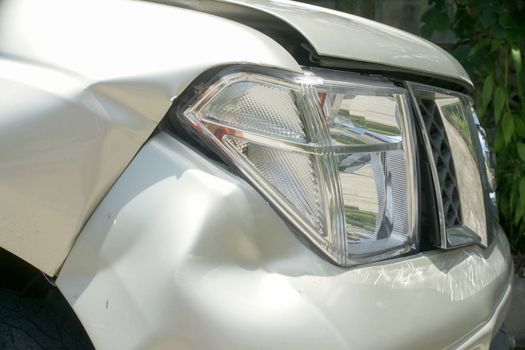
230	274
83	84
61	147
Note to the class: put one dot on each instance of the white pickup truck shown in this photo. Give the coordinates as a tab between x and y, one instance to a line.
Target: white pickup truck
227	174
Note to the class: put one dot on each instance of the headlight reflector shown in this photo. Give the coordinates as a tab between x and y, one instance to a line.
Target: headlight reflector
331	151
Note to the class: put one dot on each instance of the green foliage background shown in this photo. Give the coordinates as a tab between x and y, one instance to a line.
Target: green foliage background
491	46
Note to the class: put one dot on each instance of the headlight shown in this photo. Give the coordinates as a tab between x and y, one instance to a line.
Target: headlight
333	152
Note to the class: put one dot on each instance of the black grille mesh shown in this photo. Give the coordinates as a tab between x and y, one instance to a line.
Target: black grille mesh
443	159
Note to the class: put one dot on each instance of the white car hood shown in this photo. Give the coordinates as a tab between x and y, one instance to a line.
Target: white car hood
339	35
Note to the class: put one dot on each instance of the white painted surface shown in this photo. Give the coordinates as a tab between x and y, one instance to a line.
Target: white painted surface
183	255
83	85
340	35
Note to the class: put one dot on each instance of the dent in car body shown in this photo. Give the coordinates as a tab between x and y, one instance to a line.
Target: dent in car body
214	266
84	84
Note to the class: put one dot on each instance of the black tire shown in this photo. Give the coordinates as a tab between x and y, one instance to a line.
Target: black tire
47	323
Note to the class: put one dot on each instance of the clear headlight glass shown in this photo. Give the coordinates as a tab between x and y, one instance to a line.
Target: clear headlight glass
331	151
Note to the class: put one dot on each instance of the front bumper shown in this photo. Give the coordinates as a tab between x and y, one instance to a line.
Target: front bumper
482	337
182	254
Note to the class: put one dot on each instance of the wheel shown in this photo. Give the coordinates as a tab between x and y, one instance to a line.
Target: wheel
48	323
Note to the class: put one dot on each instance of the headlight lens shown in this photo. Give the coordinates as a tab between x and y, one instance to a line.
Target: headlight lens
332	152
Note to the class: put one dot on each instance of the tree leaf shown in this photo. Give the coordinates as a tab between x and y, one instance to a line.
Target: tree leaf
480	111
503	206
508	127
495	45
504	20
500	98
461	52
521	150
442	22
512	199
488	17
436	19
520	210
488	87
522	189
499	142
426	30
520	76
429	16
516	58
519	127
480	44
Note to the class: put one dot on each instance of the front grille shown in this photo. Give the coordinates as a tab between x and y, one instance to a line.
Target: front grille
444	163
451	148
